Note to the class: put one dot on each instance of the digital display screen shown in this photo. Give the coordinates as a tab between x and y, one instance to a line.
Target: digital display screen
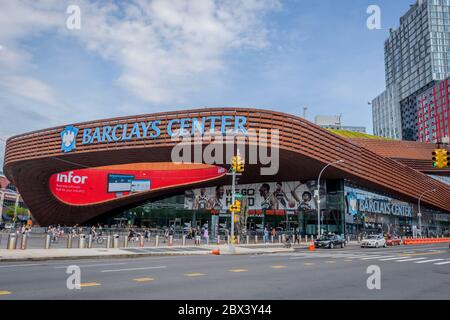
140	185
119	183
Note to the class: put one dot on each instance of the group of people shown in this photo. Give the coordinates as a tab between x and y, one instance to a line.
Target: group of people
55	232
273	233
197	234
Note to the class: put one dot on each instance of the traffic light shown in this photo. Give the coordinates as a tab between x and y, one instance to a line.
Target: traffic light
234	164
240	165
440	158
445	155
435	157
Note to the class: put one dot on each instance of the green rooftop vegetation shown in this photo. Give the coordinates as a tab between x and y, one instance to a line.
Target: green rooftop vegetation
356	135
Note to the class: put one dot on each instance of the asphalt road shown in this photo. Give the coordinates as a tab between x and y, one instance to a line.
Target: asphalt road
407	272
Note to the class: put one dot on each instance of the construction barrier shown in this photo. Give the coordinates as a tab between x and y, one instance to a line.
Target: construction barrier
425	241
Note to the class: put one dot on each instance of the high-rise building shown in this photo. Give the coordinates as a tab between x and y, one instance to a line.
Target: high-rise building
417	54
387	121
434	108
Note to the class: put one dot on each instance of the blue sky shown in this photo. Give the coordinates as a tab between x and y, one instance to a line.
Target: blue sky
159	55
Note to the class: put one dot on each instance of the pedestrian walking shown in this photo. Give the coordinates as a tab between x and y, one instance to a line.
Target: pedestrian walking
266	235
206	235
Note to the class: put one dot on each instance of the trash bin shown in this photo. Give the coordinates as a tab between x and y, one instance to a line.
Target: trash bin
82	241
115	241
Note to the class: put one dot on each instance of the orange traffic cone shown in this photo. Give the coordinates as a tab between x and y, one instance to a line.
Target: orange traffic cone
312	247
216	252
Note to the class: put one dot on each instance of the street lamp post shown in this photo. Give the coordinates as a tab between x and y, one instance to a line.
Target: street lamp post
318	195
419	214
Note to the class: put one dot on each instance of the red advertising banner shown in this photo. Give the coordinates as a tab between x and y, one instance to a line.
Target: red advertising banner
97	185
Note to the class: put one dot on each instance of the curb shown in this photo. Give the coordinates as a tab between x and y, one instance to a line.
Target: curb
133	255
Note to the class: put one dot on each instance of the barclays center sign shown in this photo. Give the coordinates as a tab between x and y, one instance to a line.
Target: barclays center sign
380	206
152	130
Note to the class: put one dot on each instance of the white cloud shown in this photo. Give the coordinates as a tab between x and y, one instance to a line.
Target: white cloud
29	88
165	47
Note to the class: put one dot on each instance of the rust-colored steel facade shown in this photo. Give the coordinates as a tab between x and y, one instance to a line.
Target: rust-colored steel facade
304	149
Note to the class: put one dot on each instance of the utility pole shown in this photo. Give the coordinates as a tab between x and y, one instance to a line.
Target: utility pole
237	167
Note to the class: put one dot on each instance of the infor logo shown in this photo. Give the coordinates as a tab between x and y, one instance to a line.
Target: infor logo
68	137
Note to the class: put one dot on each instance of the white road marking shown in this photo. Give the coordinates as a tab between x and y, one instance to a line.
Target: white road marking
94	265
376	257
134	269
441	263
22	265
432	260
387	259
410	259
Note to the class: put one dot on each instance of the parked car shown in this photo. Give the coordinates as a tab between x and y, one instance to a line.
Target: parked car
329	241
374	241
8	226
393	241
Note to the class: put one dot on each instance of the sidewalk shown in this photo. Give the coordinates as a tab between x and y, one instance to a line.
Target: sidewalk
98	253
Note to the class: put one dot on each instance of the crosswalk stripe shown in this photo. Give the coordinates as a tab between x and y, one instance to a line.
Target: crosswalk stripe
410	259
376	257
396	258
432	260
441	263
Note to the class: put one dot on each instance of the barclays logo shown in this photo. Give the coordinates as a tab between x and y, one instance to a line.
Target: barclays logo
69	138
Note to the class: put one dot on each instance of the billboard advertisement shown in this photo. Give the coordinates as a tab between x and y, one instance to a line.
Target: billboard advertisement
97	185
273	196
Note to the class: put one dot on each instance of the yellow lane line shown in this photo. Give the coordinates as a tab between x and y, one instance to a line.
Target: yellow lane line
4	292
330	261
238	270
308	263
194	274
145	279
90	284
279	267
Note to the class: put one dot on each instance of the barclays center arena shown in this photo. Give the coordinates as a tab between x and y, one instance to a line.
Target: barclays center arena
121	171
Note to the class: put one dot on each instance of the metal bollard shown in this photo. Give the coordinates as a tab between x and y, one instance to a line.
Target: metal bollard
23	243
293	239
272	239
47	241
170	241
238	240
125	242
90	241
279	238
108	242
69	241
141	241
82	241
218	240
12	241
247	240
157	241
228	239
207	241
183	242
256	238
116	241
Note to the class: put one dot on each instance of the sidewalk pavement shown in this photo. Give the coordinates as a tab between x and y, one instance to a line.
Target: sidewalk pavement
98	253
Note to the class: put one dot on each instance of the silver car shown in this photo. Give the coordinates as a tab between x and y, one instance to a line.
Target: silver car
374	241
